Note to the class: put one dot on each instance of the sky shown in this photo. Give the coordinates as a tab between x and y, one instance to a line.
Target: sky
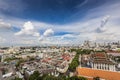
42	22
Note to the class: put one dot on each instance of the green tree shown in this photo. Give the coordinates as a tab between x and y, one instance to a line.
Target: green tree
19	62
16	78
74	63
62	77
96	78
34	76
77	78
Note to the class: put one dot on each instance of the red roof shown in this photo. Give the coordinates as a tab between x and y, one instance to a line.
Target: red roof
107	75
111	51
99	55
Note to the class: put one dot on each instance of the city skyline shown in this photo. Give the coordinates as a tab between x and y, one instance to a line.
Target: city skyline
38	22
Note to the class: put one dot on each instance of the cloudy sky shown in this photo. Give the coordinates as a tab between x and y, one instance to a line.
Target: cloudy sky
37	22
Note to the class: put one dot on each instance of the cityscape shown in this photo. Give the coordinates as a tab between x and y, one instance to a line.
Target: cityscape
61	62
59	40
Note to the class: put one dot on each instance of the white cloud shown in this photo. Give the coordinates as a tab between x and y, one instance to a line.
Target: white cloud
48	33
2	40
68	36
4	25
86	27
41	38
54	40
28	29
104	20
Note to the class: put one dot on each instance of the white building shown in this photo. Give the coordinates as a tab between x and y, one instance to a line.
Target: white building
101	61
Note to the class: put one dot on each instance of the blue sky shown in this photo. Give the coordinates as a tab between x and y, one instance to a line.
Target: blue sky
36	22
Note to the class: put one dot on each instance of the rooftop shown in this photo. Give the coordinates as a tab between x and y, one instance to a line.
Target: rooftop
107	75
